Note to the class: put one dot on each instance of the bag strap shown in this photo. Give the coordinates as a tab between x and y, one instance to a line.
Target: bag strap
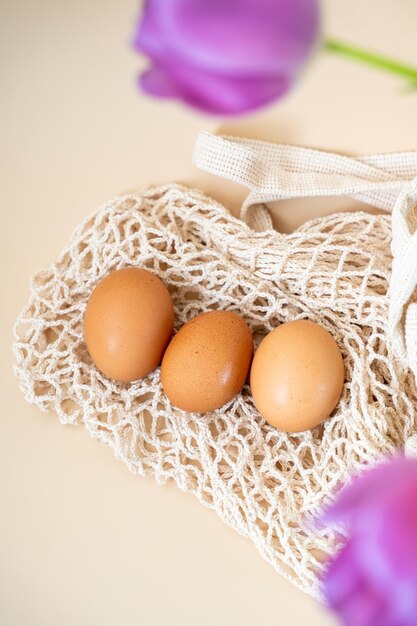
277	172
402	323
388	181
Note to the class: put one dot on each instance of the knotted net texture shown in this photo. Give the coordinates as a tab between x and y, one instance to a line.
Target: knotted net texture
264	483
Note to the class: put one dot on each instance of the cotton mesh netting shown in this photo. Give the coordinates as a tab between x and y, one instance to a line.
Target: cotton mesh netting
266	484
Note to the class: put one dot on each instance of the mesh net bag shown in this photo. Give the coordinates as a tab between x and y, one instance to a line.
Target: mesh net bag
340	271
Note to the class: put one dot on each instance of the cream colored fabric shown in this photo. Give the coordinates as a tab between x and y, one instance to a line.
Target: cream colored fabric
264	483
388	181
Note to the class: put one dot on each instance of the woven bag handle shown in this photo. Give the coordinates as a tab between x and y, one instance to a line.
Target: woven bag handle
274	172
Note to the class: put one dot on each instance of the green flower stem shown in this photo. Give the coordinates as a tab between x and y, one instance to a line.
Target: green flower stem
369	58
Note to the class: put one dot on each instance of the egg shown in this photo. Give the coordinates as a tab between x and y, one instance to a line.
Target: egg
207	362
297	376
128	323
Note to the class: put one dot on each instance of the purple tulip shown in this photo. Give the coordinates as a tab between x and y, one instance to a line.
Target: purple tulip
225	56
373	579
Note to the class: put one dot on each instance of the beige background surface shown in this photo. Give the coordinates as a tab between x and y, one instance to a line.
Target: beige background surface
83	542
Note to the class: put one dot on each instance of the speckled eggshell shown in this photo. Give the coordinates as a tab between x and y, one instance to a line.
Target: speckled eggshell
297	376
207	362
128	323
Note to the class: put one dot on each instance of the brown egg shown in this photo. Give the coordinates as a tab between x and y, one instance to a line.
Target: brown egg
297	376
207	362
128	323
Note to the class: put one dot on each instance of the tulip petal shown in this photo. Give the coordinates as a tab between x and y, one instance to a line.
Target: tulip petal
388	551
348	592
157	82
225	56
369	489
241	36
149	36
212	94
341	579
398	532
373	580
362	609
